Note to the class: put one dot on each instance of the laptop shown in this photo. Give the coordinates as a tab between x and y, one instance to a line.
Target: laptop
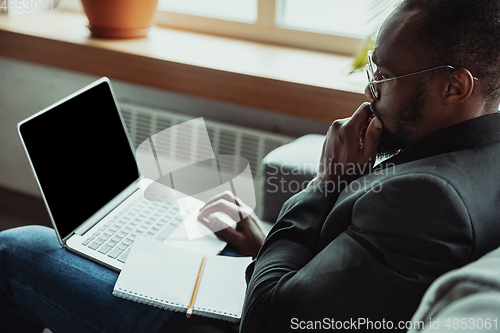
85	165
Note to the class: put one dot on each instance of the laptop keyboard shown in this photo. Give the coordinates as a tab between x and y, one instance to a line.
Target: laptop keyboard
155	220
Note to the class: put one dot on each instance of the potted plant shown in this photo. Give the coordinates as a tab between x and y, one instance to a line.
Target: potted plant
120	18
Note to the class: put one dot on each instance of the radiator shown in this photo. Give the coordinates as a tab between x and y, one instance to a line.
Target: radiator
226	139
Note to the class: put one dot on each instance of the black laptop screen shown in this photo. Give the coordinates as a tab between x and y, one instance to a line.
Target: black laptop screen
81	155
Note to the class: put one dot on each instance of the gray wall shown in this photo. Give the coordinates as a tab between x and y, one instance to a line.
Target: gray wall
26	88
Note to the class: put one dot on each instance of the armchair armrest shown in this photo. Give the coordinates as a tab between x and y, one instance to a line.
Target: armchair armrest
287	170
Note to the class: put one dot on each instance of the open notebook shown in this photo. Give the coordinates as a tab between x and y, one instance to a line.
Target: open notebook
164	276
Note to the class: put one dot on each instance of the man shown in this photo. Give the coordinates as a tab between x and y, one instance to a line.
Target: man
368	251
361	258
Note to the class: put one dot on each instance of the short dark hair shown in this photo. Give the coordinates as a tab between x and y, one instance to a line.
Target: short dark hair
464	34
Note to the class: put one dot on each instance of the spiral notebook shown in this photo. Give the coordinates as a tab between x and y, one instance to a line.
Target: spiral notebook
163	276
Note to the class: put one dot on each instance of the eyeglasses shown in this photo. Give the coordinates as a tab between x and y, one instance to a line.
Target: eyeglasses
371	69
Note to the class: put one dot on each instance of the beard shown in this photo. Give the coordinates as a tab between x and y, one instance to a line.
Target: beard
407	116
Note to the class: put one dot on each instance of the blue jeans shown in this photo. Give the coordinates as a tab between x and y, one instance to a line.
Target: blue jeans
45	285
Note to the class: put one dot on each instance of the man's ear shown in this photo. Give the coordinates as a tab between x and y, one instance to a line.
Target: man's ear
459	86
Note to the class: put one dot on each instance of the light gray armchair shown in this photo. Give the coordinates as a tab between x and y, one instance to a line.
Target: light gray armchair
287	170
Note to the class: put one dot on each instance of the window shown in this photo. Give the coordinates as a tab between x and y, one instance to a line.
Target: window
337	26
348	18
234	10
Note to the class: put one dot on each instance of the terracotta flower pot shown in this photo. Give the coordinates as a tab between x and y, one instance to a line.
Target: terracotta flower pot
120	18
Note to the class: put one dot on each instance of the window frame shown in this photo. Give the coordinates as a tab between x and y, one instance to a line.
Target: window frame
264	30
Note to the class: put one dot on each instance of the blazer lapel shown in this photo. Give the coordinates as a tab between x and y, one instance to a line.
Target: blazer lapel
472	133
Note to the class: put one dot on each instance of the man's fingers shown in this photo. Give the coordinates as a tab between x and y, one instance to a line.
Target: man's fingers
349	129
226	195
221	230
322	161
360	117
227	207
372	138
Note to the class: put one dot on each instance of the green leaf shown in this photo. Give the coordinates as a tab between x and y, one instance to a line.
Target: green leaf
361	59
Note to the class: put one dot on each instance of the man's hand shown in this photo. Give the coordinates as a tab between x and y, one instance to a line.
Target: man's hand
350	147
249	234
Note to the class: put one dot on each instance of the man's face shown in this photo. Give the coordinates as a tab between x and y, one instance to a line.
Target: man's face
402	104
406	117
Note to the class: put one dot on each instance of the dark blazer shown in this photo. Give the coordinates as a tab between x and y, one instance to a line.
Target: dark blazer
371	251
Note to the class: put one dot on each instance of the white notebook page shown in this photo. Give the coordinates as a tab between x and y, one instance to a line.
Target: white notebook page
164	276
